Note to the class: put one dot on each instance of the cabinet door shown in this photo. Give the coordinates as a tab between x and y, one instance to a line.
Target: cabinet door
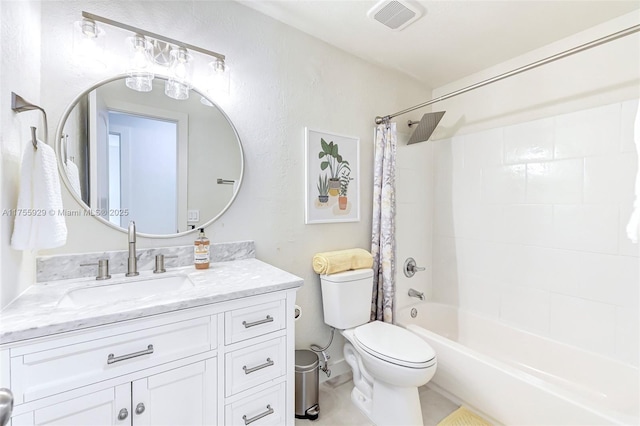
101	408
183	396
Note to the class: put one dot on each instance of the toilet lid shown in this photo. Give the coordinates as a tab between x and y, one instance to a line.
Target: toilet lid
394	344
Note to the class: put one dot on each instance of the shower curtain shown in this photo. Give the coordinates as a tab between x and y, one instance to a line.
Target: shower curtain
383	246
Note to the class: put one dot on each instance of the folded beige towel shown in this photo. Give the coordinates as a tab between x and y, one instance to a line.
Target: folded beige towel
332	262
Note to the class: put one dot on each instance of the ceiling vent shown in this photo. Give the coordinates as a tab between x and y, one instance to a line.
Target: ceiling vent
394	14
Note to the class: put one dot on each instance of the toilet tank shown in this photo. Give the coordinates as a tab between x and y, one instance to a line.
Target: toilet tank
346	298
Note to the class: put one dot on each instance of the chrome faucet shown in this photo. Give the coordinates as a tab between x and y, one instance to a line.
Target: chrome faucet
132	264
416	293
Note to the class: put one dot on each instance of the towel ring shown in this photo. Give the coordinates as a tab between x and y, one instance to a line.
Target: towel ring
34	138
19	104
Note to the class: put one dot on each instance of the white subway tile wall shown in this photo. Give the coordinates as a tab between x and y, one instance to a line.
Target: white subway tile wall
529	227
414	209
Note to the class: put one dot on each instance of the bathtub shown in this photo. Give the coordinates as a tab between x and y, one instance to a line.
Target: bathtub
518	378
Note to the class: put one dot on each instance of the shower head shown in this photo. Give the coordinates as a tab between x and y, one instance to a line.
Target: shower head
426	126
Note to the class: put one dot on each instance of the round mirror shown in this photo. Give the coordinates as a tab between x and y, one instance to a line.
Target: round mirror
170	165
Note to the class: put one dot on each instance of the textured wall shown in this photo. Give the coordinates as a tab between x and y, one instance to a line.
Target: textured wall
282	81
20	70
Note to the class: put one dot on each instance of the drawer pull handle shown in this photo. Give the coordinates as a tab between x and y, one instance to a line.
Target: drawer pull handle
112	358
123	414
269	318
269	363
258	417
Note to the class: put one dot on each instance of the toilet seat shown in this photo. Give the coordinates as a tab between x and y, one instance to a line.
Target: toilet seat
394	344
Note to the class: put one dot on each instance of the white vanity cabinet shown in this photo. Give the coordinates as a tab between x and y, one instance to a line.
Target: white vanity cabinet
178	396
223	363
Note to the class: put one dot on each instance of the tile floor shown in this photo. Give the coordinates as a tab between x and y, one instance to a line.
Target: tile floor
336	408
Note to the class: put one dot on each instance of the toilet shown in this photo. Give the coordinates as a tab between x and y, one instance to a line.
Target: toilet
389	363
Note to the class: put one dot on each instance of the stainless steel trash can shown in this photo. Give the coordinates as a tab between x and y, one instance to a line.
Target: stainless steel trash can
307	379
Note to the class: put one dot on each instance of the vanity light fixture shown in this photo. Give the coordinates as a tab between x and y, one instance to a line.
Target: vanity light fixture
217	81
88	28
88	43
218	77
177	86
148	51
140	76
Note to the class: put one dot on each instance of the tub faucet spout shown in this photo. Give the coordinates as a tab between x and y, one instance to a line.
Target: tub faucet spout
416	294
132	264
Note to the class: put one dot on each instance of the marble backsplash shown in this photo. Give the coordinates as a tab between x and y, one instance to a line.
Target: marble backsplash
62	267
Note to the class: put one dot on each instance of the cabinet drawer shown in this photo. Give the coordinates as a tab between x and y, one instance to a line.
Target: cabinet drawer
39	374
259	409
245	323
254	365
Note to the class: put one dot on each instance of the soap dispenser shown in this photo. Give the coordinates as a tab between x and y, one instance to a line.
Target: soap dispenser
201	251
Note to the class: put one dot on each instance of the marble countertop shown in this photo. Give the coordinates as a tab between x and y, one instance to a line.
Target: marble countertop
38	311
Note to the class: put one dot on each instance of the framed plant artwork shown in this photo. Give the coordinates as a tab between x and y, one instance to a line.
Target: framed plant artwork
332	177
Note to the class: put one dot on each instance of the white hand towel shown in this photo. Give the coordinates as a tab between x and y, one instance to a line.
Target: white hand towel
73	174
39	221
633	227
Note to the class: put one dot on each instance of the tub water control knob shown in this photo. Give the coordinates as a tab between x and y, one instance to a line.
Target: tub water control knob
410	267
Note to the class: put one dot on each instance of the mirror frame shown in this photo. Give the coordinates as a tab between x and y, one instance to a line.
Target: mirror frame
78	197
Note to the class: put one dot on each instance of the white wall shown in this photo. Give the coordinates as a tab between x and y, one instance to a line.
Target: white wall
532	195
282	81
598	76
20	70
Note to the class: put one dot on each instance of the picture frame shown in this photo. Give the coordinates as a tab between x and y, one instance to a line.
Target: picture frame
332	177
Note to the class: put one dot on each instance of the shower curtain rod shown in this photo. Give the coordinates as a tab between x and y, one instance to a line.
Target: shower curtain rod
524	68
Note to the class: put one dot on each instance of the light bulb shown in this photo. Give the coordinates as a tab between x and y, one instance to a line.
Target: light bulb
177	86
139	77
89	28
88	44
218	79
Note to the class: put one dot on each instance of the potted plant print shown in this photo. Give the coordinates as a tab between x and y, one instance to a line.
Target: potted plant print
323	189
344	186
332	160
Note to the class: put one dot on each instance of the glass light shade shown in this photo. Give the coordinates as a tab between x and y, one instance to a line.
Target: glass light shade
140	76
140	51
218	79
177	86
140	81
88	44
176	90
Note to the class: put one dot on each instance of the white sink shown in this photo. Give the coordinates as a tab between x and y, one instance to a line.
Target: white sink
125	289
